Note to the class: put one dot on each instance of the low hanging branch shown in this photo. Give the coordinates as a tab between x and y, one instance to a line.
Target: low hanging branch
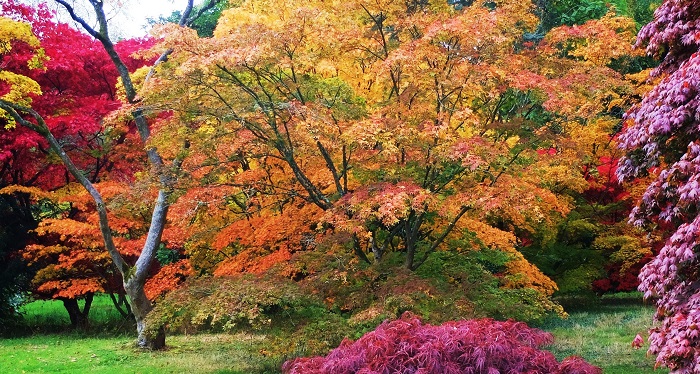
42	129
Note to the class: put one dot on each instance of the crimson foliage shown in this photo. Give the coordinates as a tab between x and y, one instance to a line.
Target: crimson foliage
78	86
475	346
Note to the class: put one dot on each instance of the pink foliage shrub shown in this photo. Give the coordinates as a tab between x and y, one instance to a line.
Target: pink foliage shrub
476	346
662	140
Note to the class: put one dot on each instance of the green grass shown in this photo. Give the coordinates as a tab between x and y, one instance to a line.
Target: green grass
601	333
71	353
46	344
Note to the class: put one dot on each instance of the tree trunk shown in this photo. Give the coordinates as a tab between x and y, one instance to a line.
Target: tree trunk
78	318
140	307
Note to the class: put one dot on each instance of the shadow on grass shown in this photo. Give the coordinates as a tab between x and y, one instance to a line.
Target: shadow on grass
49	317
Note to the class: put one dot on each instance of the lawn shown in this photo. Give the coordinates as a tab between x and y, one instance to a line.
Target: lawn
603	334
600	333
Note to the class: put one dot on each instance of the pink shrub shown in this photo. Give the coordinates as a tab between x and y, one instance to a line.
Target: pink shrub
478	346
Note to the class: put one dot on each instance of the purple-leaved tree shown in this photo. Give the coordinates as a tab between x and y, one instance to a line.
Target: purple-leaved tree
662	139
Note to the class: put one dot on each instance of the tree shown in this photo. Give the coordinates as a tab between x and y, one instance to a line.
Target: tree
78	91
17	109
593	240
405	130
661	140
17	209
15	275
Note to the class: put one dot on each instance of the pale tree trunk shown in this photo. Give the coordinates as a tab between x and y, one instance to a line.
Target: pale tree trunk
141	306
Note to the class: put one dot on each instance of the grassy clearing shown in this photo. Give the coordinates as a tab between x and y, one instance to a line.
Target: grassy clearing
49	316
603	333
600	333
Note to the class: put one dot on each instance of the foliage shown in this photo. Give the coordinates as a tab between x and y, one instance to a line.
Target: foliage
390	124
15	275
230	304
204	24
77	91
39	124
450	286
407	345
592	248
68	254
555	13
661	141
77	82
169	277
571	12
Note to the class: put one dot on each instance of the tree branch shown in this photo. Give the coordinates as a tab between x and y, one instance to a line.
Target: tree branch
42	129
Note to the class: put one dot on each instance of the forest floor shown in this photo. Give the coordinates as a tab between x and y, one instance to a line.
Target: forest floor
600	333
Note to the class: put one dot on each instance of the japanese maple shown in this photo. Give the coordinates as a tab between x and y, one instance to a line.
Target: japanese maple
78	91
404	123
16	108
407	345
661	140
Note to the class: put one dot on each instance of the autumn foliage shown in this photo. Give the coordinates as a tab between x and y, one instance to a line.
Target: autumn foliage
379	156
407	345
389	126
661	143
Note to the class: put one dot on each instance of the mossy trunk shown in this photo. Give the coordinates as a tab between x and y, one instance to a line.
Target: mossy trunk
148	338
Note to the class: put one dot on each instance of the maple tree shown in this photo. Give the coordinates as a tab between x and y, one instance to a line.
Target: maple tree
78	90
403	130
16	110
391	122
661	142
407	345
592	240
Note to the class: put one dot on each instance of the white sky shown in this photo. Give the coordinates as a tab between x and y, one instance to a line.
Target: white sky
131	21
127	17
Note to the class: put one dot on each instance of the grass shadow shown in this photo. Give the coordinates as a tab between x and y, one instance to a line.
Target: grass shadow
49	317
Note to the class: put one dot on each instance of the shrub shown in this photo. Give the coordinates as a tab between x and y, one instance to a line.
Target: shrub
407	345
448	286
296	322
231	303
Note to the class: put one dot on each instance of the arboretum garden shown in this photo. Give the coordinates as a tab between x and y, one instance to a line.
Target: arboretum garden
357	186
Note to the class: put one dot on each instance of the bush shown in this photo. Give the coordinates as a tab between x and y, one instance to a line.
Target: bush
231	303
296	322
474	346
449	286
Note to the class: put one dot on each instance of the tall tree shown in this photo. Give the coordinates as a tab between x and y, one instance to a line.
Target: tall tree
78	85
134	276
662	140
